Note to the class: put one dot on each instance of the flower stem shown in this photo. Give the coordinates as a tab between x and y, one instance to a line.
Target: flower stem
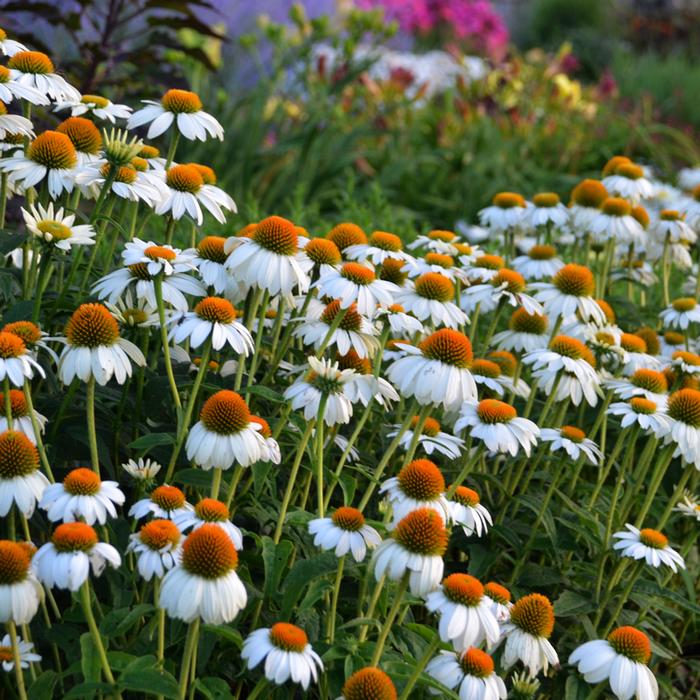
259	687
187	656
172	148
37	432
675	496
19	674
389	620
92	432
624	596
216	482
158	289
335	324
318	449
603	474
334	601
372	605
657	477
8	402
422	663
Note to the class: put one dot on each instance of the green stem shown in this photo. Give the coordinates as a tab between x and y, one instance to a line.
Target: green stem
237	474
187	656
259	688
19	674
216	482
92	431
335	324
372	606
172	148
320	425
389	620
422	663
675	496
44	271
603	475
158	288
6	389
656	479
623	597
334	600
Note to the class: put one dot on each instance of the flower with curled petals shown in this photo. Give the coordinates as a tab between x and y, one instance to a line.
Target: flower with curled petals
345	531
469	673
20	592
650	545
21	482
157	546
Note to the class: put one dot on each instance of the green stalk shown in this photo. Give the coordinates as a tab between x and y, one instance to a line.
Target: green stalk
187	656
320	424
92	431
624	597
389	620
422	663
657	477
335	324
334	601
37	432
158	289
19	674
603	475
8	402
675	497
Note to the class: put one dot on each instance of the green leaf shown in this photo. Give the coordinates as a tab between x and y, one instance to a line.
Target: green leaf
87	691
89	659
303	573
228	633
121	620
21	311
149	680
10	240
194	477
569	604
43	686
576	688
266	393
146	442
214	688
275	559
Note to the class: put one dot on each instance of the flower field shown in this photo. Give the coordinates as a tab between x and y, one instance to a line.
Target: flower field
326	455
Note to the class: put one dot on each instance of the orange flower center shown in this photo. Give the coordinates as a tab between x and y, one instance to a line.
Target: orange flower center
573	348
17	402
604	338
632	643
490	262
54	230
523	322
497	592
348	518
26	330
606	309
505	360
209	553
392	271
508	200
225	413
433	285
514	281
159	533
168	498
14	563
486	368
575	280
277	235
463	589
91	325
31	62
616	206
264	426
207	173
493	411
369	684
684	304
53	150
475	662
466	496
689	358
184	178
650	380
641	405
359	274
346	234
149	152
589	193
322	251
288	637
96	100
353	361
74	537
82	482
216	310
84	135
649	336
632	343
431	427
421	480
572	433
684	406
352	321
125	173
463	248
653	538
140	271
11	345
422	531
181	102
630	171
385	241
440	235
674	338
18	456
212	511
534	614
542	252
449	347
212	248
546	200
642	216
614	163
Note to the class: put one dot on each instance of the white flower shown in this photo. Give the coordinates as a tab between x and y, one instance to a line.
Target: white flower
644	413
65	561
16	362
505	286
21	483
14	125
10	47
432	439
164	501
541	262
681	313
467	511
128	183
205	583
142	470
500	600
55	228
628	181
209	258
356	284
546	210
647	383
34	69
671	227
689	505
286	651
436	241
20	592
437	263
96	105
345	531
649	545
526	332
209	511
469	674
570	291
508	211
399	321
182	107
157	547
431	297
621	658
573	441
82	495
26	655
21	419
11	88
380	246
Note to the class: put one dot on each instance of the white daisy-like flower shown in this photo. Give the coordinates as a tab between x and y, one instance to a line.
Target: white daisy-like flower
648	544
689	206
16	362
345	531
527	634
684	408
356	284
484	267
432	438
650	384
622	658
505	286
209	511
466	616
134	313
498	426
398	320
204	584
209	258
363	385
628	181
26	654
541	262
157	546
573	441
214	319
672	228
94	348
127	182
66	560
689	505
323	379
470	674
569	361
681	313
670	342
354	332
420	484
635	355
96	106
11	88
437	241
14	124
21	418
82	495
439	263
415	548
500	600
466	510
644	413
269	258
507	211
50	156
380	246
166	502
430	298
181	107
21	482
546	211
286	651
157	258
57	228
35	70
526	332
225	434
437	371
20	592
687	363
10	47
142	470
272	452
570	291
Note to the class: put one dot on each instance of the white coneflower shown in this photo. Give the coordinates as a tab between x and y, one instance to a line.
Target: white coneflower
573	441
628	181
65	561
681	313
437	241
35	70
94	348
20	592
507	211
672	228
546	210
22	420
541	262
213	512
416	547
570	291
466	617
363	385
648	544
526	332
25	650
10	47
622	658
14	125
380	246
127	182
527	634
615	221
430	297
204	584
95	105
689	505
684	408
82	495
163	502
53	227
586	199
644	413
432	438
470	674
209	258
670	342
157	546
437	371
498	426
347	234
484	267
320	255
439	263
505	286
399	321
356	284
225	434
647	383
11	88
286	651
143	470
34	339
636	356
500	600
345	531
134	313
21	482
467	511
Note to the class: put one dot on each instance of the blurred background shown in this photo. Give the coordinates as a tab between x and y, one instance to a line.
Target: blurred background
398	114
